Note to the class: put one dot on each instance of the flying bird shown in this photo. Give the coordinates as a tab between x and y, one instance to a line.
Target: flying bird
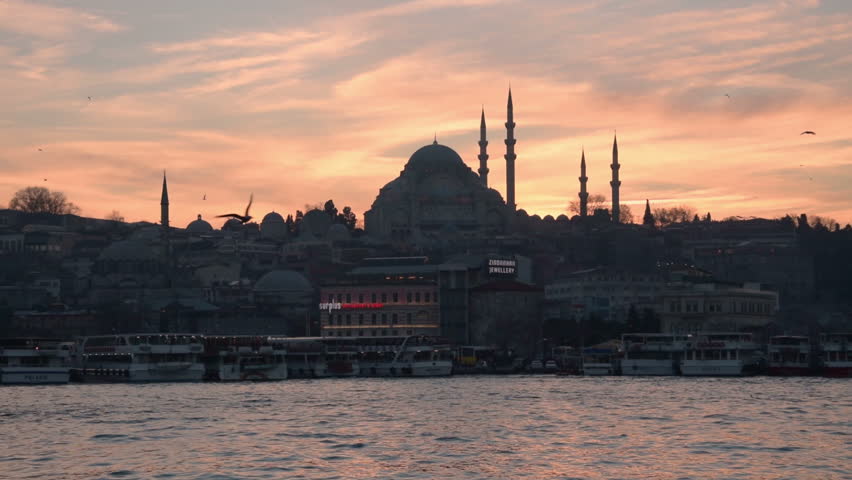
39	149
90	98
807	132
205	197
727	95
45	179
242	218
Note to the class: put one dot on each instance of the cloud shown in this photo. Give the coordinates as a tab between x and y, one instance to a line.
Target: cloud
43	21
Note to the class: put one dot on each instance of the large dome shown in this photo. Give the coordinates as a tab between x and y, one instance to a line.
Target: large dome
199	226
272	217
283	281
435	157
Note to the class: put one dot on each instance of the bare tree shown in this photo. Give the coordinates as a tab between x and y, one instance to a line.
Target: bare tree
678	214
624	214
42	200
595	201
115	216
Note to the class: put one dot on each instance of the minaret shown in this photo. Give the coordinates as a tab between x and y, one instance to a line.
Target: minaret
483	155
615	183
510	154
648	218
164	206
584	195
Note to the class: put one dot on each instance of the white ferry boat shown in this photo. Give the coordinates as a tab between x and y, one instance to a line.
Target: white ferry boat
411	356
34	361
233	358
304	356
836	349
143	357
720	354
601	360
652	353
789	355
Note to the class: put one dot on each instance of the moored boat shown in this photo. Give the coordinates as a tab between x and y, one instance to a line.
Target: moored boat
243	357
144	357
652	353
34	361
836	354
789	355
720	354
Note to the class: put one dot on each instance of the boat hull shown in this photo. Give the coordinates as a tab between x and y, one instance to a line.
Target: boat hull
191	373
837	371
647	367
789	370
33	375
711	369
598	369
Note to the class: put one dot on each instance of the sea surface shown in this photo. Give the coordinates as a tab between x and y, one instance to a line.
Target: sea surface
466	427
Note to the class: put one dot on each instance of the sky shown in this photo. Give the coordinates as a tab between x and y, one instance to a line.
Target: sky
301	102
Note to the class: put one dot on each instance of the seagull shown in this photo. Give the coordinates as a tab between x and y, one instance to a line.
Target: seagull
90	99
45	179
39	149
807	132
205	197
727	95
242	218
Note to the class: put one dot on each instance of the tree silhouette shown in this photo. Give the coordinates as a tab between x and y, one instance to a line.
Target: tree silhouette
42	200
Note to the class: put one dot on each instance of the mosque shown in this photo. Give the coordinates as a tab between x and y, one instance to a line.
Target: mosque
437	194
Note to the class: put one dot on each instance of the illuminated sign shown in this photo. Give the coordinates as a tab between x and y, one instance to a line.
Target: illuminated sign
330	306
502	266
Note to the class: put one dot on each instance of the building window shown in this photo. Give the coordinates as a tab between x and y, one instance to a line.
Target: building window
360	333
360	298
374	320
417	297
395	297
330	298
384	319
427	294
395	332
394	319
360	319
408	318
408	332
384	333
374	333
408	297
348	319
339	297
384	298
348	298
373	298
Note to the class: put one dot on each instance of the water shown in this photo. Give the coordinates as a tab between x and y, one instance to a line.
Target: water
458	427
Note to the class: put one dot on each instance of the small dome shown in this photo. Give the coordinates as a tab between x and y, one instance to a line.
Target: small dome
272	217
283	281
338	233
316	222
199	226
128	250
434	157
273	227
233	224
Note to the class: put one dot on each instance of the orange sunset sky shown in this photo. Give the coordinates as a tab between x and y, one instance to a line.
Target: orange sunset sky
299	102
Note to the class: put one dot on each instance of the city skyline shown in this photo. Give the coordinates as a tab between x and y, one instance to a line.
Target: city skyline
307	103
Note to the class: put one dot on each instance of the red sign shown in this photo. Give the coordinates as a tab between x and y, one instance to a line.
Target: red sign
361	306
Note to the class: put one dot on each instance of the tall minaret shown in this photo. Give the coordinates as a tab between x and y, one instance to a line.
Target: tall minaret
584	195
648	218
164	206
510	154
615	183
483	155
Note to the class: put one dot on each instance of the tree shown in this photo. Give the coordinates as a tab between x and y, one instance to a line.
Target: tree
330	209
624	214
678	214
115	216
348	218
42	200
594	202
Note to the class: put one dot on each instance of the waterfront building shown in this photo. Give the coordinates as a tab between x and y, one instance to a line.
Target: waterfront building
711	306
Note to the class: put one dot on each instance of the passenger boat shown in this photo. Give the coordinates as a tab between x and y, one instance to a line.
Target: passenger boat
233	358
304	356
34	361
409	356
144	357
601	359
720	354
836	350
652	353
789	355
